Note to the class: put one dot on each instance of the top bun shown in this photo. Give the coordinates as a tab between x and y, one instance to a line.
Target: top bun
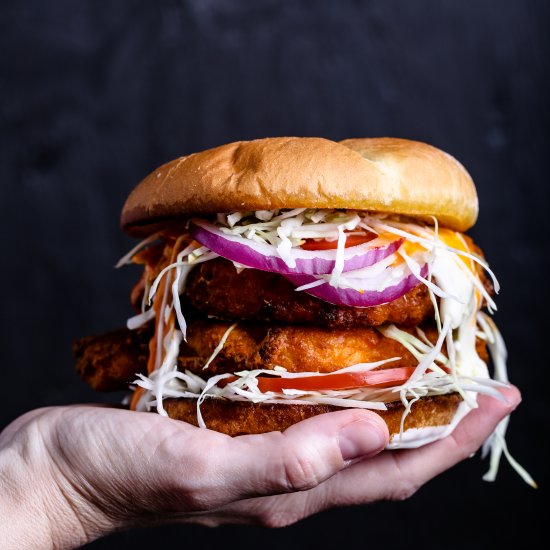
384	175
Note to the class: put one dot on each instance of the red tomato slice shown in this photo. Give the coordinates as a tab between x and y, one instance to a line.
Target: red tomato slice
352	240
338	381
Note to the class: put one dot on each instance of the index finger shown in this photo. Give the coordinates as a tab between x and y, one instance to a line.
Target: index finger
398	474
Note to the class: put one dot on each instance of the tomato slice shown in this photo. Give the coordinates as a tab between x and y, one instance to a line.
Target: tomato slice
337	381
351	240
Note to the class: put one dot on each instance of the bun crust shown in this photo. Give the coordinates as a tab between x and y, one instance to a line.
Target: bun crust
240	417
378	174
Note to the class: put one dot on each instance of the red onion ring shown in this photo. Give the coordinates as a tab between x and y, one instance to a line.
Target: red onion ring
310	262
354	298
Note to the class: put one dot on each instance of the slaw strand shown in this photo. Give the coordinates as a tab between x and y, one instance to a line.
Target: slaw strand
220	345
126	259
286	229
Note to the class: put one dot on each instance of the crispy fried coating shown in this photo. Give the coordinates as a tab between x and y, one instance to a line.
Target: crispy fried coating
111	361
238	417
216	288
295	348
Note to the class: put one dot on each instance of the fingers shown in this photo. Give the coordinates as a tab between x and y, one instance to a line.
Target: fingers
298	459
121	466
139	464
389	475
312	451
398	474
466	439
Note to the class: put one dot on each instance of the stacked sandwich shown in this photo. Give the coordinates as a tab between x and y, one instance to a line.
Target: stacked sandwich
289	277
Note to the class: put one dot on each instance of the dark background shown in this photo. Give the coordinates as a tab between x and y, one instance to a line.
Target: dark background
95	94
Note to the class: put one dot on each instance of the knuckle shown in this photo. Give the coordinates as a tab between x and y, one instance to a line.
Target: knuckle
194	495
300	472
194	481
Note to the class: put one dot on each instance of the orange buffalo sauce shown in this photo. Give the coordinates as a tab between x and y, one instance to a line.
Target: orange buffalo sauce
461	242
155	261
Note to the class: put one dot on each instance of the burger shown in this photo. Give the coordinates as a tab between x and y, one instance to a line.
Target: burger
290	277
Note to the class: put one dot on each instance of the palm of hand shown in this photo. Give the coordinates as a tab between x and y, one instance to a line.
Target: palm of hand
108	469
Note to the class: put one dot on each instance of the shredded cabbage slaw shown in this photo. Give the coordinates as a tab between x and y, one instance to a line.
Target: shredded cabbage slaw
452	277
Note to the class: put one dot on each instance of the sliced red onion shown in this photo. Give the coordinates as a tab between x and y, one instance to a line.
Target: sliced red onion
355	298
311	262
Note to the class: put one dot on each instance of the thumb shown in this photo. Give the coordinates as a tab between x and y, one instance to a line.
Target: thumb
301	457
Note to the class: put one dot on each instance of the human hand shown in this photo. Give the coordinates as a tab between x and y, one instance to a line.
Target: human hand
72	474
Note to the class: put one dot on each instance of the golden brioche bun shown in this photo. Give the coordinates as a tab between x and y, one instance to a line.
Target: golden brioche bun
378	174
243	417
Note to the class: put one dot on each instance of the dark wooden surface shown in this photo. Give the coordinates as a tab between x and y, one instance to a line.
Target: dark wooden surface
94	94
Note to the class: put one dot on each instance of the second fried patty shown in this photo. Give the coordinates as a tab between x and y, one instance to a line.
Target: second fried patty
217	288
113	360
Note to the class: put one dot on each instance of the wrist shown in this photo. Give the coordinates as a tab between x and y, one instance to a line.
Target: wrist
39	507
23	523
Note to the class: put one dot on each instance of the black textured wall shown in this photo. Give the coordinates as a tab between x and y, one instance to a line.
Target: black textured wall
94	94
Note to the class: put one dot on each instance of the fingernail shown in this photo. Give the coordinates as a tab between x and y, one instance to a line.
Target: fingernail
512	397
361	439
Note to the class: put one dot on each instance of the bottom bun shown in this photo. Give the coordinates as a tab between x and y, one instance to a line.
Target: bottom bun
430	418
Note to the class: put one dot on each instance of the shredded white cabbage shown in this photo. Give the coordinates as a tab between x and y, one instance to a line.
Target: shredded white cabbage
285	230
376	277
416	269
183	267
497	445
418	348
458	288
196	257
140	319
219	347
182	271
138	248
496	442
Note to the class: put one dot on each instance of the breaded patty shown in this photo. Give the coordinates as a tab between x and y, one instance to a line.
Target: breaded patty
111	361
295	348
237	418
216	288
